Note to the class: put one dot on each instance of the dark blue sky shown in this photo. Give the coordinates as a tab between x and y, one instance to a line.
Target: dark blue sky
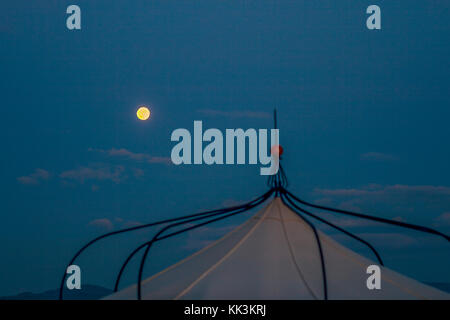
363	117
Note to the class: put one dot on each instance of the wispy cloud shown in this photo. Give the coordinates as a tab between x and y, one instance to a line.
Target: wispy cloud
81	174
426	190
235	113
378	156
124	153
401	200
443	220
35	178
138	173
103	224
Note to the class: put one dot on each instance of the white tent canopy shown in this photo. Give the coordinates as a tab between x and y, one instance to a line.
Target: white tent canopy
274	255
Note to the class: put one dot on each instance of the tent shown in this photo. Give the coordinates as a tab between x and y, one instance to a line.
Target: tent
274	255
277	254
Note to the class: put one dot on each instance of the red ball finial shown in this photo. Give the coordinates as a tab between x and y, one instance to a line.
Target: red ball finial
276	150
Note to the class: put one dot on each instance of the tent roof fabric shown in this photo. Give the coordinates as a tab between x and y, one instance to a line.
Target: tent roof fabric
274	255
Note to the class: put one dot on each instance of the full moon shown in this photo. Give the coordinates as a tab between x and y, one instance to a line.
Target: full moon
143	113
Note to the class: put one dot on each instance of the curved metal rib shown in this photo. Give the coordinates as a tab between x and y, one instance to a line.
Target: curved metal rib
338	228
155	238
322	260
365	216
148	225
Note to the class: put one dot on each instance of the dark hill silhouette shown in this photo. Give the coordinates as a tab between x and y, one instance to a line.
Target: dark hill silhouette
87	292
92	292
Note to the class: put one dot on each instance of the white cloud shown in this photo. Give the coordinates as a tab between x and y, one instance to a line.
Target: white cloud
387	190
403	201
35	178
105	224
124	153
377	156
236	114
443	219
102	224
81	174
